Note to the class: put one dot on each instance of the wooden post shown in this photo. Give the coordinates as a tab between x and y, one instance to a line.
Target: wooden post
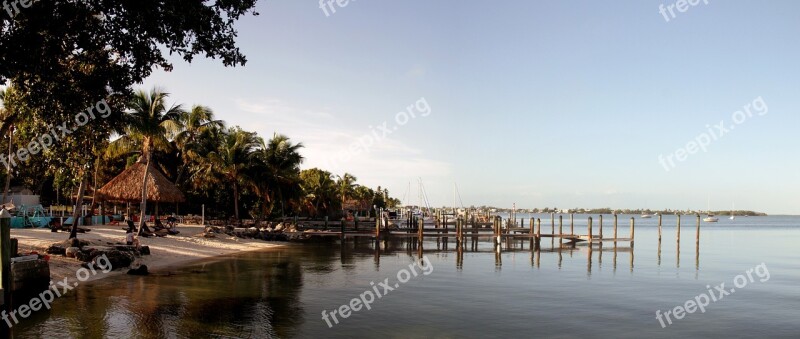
632	234
419	230
552	223
697	239
659	226
679	228
572	223
203	218
538	227
531	226
615	228
377	226
341	225
5	255
601	227
560	224
590	230
326	222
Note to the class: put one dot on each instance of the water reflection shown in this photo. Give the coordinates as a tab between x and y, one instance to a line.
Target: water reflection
228	298
259	294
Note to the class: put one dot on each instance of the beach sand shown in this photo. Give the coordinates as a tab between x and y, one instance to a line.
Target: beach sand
168	252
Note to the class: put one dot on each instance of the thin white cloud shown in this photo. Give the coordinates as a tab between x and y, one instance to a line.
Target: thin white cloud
328	142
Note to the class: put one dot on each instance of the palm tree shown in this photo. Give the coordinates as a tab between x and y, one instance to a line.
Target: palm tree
319	189
345	187
197	125
231	162
279	169
148	126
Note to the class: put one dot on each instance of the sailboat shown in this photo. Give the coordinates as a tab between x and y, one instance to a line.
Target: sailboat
710	217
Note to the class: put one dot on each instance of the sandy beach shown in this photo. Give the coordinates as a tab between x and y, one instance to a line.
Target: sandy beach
167	252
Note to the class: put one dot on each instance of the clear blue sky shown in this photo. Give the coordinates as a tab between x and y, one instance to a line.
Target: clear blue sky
538	103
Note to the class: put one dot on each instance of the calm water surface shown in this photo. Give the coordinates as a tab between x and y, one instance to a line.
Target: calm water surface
478	293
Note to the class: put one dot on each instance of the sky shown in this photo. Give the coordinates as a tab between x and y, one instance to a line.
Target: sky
535	103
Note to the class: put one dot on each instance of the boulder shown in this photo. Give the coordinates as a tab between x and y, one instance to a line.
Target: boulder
70	252
119	259
57	250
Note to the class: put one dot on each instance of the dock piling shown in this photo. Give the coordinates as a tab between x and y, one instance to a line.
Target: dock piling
601	227
633	222
697	239
590	231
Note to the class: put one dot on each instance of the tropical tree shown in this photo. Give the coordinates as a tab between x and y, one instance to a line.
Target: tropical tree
231	162
197	124
319	189
149	124
278	170
345	187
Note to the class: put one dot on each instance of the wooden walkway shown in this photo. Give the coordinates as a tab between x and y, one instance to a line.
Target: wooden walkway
463	229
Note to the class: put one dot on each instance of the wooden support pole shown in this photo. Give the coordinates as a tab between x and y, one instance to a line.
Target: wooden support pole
590	230
552	223
632	232
615	227
560	224
572	223
377	227
538	227
531	226
342	225
697	238
420	230
659	226
679	228
601	227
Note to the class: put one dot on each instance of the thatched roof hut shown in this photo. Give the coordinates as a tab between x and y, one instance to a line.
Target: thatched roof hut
127	186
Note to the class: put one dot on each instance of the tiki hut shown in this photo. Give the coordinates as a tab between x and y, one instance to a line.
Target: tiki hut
127	186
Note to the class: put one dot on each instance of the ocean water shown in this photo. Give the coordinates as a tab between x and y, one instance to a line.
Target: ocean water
438	291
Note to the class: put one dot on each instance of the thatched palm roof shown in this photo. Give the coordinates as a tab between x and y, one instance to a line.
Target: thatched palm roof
127	186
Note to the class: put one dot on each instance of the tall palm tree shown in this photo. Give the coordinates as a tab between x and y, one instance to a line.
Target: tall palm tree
319	189
149	124
231	162
197	125
279	163
345	187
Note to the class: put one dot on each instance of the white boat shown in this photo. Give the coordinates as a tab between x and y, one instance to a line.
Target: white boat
646	216
733	217
710	217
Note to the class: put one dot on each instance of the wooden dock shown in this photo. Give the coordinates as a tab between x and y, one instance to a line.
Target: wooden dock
498	230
